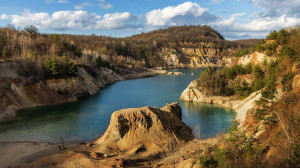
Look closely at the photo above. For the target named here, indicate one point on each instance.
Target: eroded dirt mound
(145, 131)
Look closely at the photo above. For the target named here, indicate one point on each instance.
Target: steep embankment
(203, 56)
(253, 59)
(19, 92)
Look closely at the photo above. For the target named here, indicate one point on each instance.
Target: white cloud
(117, 21)
(269, 23)
(57, 1)
(236, 26)
(257, 28)
(279, 7)
(62, 1)
(81, 6)
(184, 14)
(139, 29)
(104, 5)
(216, 1)
(65, 20)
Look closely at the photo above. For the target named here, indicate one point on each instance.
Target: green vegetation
(281, 43)
(276, 120)
(239, 152)
(224, 81)
(138, 51)
(70, 67)
(231, 80)
(243, 52)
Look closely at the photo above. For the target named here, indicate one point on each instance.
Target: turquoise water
(89, 118)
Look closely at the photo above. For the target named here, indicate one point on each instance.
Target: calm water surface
(89, 118)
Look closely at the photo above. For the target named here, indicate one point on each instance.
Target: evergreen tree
(53, 68)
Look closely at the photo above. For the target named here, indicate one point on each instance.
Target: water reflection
(211, 119)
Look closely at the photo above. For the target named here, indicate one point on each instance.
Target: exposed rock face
(192, 57)
(84, 84)
(296, 82)
(253, 59)
(145, 131)
(197, 94)
(25, 92)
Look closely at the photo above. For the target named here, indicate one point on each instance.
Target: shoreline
(193, 94)
(131, 76)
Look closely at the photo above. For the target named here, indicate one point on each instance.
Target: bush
(244, 52)
(287, 80)
(257, 71)
(208, 162)
(287, 51)
(272, 35)
(243, 90)
(70, 67)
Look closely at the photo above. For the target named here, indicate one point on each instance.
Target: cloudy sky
(235, 19)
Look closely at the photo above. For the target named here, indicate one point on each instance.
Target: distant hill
(142, 50)
(182, 33)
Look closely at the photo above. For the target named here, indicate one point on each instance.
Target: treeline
(138, 51)
(281, 43)
(227, 80)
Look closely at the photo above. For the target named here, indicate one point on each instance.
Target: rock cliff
(253, 59)
(145, 131)
(192, 57)
(19, 92)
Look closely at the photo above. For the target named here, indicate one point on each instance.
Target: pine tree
(70, 67)
(53, 68)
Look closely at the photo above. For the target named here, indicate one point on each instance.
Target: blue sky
(235, 19)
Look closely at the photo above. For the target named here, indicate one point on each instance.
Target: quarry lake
(87, 119)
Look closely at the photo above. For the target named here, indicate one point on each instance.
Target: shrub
(69, 66)
(287, 80)
(287, 51)
(243, 52)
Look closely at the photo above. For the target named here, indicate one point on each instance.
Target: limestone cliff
(145, 131)
(204, 56)
(253, 59)
(19, 92)
(197, 94)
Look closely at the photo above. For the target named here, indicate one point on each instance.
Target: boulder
(145, 131)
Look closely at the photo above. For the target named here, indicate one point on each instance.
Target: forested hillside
(143, 50)
(270, 135)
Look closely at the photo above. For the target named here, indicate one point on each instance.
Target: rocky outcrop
(84, 84)
(198, 94)
(296, 82)
(253, 59)
(174, 73)
(145, 131)
(21, 95)
(205, 56)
